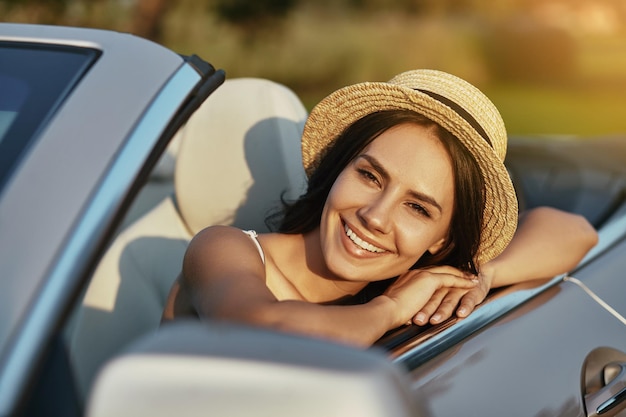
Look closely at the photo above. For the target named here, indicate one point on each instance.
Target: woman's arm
(547, 242)
(224, 278)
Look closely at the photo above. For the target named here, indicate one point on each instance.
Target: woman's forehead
(414, 156)
(408, 145)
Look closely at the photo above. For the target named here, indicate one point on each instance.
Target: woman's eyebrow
(385, 174)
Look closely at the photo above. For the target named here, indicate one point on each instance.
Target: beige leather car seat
(238, 153)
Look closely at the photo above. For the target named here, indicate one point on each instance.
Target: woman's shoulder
(219, 235)
(221, 262)
(221, 241)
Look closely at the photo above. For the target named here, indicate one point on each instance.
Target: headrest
(239, 152)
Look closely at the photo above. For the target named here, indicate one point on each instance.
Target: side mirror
(205, 368)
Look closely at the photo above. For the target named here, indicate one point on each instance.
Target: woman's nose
(376, 215)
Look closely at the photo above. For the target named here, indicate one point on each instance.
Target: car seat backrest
(238, 153)
(248, 159)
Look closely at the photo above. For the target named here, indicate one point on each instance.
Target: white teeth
(360, 242)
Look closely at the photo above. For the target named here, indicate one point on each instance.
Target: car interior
(230, 164)
(565, 175)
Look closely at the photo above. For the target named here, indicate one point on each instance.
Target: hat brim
(345, 106)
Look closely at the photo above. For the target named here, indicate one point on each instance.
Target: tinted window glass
(34, 81)
(14, 94)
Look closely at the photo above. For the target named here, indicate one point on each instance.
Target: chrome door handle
(612, 396)
(604, 382)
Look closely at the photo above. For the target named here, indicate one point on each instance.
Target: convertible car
(115, 151)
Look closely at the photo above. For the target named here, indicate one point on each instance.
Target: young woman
(408, 216)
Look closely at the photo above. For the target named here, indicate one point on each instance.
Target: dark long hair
(304, 214)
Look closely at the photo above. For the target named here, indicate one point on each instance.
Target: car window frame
(182, 94)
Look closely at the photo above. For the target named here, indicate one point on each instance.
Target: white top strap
(253, 235)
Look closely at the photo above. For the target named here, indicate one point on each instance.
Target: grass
(539, 110)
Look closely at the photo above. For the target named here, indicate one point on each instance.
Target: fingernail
(436, 318)
(420, 317)
(462, 311)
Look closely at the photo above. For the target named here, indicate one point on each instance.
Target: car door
(555, 348)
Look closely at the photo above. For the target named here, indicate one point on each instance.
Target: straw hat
(451, 102)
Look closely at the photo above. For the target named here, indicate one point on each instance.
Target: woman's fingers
(446, 298)
(429, 309)
(446, 280)
(440, 307)
(475, 296)
(412, 291)
(448, 270)
(453, 290)
(447, 306)
(470, 301)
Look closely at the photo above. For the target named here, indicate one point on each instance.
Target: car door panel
(528, 364)
(605, 277)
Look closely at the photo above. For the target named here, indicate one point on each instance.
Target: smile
(360, 242)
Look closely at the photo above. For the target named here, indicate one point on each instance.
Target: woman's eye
(368, 175)
(419, 209)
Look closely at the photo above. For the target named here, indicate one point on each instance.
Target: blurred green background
(551, 66)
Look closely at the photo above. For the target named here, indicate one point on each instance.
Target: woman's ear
(437, 246)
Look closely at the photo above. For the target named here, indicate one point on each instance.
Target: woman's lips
(360, 242)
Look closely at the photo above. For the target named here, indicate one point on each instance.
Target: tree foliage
(48, 11)
(252, 12)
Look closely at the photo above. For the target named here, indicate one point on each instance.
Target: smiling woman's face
(391, 204)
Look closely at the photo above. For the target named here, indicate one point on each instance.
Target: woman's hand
(547, 242)
(444, 301)
(414, 290)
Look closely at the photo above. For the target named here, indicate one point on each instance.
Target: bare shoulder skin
(231, 260)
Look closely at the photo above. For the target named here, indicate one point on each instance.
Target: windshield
(30, 94)
(15, 93)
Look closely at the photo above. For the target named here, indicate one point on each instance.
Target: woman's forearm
(363, 324)
(547, 242)
(357, 325)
